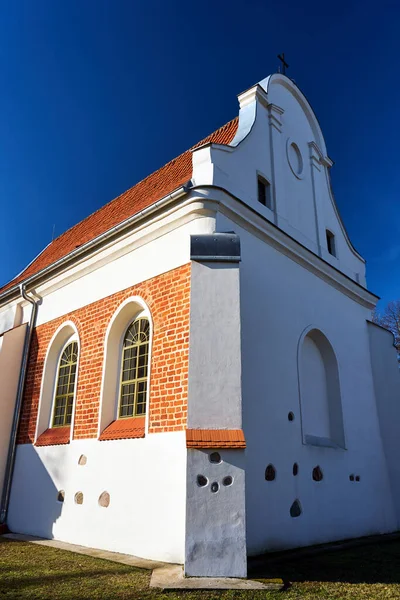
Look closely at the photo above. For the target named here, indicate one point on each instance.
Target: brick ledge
(122, 429)
(215, 438)
(54, 436)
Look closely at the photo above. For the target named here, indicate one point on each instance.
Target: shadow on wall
(376, 562)
(34, 501)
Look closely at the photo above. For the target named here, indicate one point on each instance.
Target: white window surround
(334, 436)
(65, 334)
(128, 311)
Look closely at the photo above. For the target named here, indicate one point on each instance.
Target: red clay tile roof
(123, 429)
(143, 194)
(54, 436)
(215, 438)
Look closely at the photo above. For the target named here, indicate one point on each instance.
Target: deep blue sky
(95, 95)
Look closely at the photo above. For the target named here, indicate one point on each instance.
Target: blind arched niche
(320, 400)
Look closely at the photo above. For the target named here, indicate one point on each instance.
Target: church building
(190, 374)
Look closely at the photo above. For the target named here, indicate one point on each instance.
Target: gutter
(93, 244)
(5, 498)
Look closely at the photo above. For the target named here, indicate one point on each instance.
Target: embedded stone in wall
(61, 496)
(317, 474)
(295, 509)
(79, 498)
(214, 487)
(270, 473)
(82, 460)
(202, 481)
(104, 499)
(215, 458)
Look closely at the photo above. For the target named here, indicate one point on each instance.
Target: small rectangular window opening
(330, 242)
(264, 192)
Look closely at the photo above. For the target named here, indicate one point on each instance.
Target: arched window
(320, 398)
(134, 369)
(65, 386)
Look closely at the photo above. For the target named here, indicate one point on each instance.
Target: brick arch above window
(45, 433)
(111, 425)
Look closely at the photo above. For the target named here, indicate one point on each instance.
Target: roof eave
(82, 251)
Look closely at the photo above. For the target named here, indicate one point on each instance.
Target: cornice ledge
(316, 156)
(289, 246)
(251, 95)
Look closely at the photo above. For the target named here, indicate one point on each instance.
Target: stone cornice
(251, 220)
(252, 94)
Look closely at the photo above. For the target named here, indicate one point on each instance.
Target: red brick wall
(168, 298)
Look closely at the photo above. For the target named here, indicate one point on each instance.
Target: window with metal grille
(134, 369)
(65, 389)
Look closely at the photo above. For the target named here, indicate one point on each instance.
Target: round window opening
(228, 480)
(202, 481)
(215, 458)
(295, 159)
(290, 416)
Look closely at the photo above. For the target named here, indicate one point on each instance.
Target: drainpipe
(5, 498)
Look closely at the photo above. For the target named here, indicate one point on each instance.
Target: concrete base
(165, 576)
(171, 577)
(125, 559)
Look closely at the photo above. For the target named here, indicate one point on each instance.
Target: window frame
(269, 202)
(331, 243)
(142, 315)
(72, 339)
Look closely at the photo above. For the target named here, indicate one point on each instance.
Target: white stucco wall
(215, 521)
(11, 348)
(304, 205)
(279, 300)
(10, 316)
(146, 480)
(214, 357)
(136, 263)
(386, 375)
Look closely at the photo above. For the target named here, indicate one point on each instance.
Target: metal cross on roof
(284, 63)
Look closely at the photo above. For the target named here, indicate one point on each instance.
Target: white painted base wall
(215, 521)
(146, 480)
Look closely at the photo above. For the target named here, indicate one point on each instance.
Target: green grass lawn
(32, 571)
